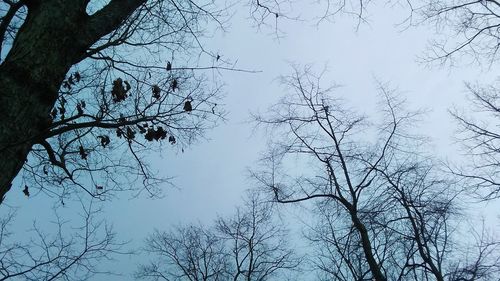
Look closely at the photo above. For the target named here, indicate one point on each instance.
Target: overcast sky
(210, 176)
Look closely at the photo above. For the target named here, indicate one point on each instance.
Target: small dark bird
(169, 66)
(187, 106)
(218, 57)
(26, 191)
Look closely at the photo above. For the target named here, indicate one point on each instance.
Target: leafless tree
(481, 261)
(63, 255)
(108, 76)
(269, 13)
(257, 244)
(251, 245)
(88, 87)
(480, 139)
(185, 253)
(469, 28)
(385, 209)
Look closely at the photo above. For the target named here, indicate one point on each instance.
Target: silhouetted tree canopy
(89, 89)
(385, 208)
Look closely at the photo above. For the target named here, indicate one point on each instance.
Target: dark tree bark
(55, 35)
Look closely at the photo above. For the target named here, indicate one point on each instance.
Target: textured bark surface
(55, 35)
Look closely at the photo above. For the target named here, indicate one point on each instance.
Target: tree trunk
(55, 35)
(367, 248)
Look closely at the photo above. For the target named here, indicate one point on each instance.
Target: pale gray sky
(211, 175)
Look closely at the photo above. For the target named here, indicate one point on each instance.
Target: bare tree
(469, 28)
(87, 86)
(251, 245)
(60, 256)
(313, 125)
(481, 260)
(271, 13)
(185, 253)
(480, 139)
(385, 209)
(257, 244)
(111, 76)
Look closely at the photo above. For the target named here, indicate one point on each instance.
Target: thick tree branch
(7, 19)
(111, 17)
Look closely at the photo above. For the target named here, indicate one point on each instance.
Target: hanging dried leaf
(83, 153)
(77, 76)
(62, 111)
(174, 85)
(79, 109)
(26, 191)
(130, 133)
(156, 92)
(141, 129)
(66, 85)
(104, 140)
(160, 133)
(157, 134)
(187, 106)
(172, 140)
(119, 91)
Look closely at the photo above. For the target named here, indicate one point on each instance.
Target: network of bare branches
(469, 29)
(147, 83)
(251, 245)
(269, 14)
(185, 253)
(385, 210)
(478, 136)
(72, 252)
(136, 74)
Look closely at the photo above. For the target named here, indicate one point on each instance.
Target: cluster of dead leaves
(120, 90)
